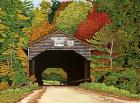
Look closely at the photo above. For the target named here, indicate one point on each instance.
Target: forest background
(111, 26)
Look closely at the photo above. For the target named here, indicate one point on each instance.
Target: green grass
(100, 87)
(15, 95)
(138, 74)
(50, 82)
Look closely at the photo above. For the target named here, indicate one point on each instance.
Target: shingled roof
(60, 32)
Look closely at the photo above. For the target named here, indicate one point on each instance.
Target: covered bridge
(58, 50)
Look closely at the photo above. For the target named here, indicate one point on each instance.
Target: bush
(4, 85)
(125, 79)
(54, 76)
(138, 87)
(101, 87)
(100, 76)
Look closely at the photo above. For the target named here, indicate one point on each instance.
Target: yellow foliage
(22, 17)
(24, 58)
(19, 11)
(21, 42)
(62, 7)
(3, 86)
(27, 30)
(2, 27)
(16, 35)
(4, 69)
(39, 18)
(2, 13)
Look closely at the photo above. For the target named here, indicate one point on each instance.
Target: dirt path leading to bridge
(56, 94)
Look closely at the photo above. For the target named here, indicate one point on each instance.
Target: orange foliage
(40, 31)
(4, 85)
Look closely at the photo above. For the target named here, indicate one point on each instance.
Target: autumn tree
(15, 15)
(62, 6)
(40, 31)
(111, 42)
(70, 18)
(40, 24)
(41, 14)
(125, 15)
(95, 21)
(54, 7)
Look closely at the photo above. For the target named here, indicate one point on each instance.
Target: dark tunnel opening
(72, 63)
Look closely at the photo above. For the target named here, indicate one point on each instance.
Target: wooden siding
(46, 43)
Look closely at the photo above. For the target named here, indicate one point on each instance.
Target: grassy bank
(109, 89)
(138, 74)
(14, 95)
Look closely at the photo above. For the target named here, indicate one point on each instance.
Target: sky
(36, 2)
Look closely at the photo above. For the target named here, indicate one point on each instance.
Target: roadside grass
(100, 87)
(51, 82)
(138, 74)
(14, 95)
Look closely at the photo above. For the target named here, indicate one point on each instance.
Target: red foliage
(98, 53)
(101, 18)
(87, 29)
(95, 21)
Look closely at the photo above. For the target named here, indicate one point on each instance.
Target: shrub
(53, 76)
(100, 76)
(4, 85)
(138, 87)
(125, 79)
(101, 87)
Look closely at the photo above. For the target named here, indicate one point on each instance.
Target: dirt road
(76, 95)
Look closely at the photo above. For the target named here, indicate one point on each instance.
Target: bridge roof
(59, 41)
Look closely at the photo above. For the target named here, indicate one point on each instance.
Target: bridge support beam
(87, 71)
(31, 67)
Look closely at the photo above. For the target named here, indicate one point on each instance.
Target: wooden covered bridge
(58, 50)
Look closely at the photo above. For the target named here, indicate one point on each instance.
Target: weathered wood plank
(47, 43)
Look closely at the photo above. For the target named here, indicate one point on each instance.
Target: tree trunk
(111, 52)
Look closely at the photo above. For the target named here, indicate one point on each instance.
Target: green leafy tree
(15, 16)
(41, 14)
(54, 7)
(73, 14)
(125, 15)
(111, 42)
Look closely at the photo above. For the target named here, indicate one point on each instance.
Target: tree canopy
(111, 26)
(15, 15)
(70, 18)
(125, 15)
(95, 21)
